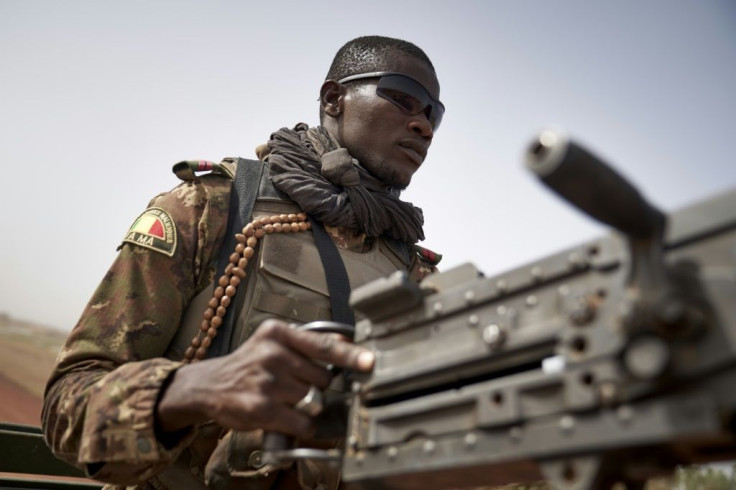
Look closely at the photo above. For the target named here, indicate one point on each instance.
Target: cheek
(363, 132)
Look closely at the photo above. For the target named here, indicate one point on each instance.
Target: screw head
(428, 447)
(470, 440)
(647, 357)
(567, 423)
(494, 336)
(607, 392)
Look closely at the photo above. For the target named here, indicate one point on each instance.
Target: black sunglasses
(406, 93)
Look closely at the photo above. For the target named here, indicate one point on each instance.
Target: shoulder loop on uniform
(187, 170)
(427, 255)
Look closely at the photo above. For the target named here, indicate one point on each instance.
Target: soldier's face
(389, 142)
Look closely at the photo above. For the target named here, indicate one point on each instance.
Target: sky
(98, 99)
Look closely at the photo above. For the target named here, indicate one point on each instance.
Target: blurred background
(99, 99)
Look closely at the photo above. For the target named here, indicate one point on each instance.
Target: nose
(420, 125)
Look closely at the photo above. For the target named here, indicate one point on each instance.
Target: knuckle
(266, 382)
(271, 329)
(326, 344)
(268, 350)
(258, 405)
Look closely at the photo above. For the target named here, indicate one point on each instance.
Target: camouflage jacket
(100, 399)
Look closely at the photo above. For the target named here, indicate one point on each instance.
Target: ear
(331, 96)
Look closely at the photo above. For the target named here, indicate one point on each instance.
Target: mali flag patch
(154, 229)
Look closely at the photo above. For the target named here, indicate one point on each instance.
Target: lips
(417, 151)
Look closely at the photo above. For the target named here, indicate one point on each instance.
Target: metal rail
(23, 450)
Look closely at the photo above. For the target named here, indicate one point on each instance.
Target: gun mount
(610, 361)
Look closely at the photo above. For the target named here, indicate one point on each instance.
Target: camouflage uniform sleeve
(423, 263)
(99, 404)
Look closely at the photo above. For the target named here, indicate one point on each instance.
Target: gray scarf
(308, 165)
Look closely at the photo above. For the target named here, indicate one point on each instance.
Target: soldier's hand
(257, 385)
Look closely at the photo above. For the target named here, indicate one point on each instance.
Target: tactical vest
(285, 281)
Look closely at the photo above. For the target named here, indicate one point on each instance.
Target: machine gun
(607, 362)
(610, 362)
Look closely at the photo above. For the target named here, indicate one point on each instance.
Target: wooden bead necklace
(234, 273)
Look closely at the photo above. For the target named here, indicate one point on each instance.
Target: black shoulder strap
(338, 284)
(247, 186)
(242, 198)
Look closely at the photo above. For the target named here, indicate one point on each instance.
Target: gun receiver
(610, 361)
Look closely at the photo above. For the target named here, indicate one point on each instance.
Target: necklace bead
(227, 284)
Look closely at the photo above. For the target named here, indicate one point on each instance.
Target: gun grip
(587, 182)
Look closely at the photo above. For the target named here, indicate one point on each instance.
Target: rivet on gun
(567, 423)
(608, 393)
(473, 320)
(256, 459)
(576, 260)
(501, 310)
(563, 290)
(531, 301)
(470, 440)
(501, 285)
(355, 387)
(494, 336)
(392, 452)
(647, 357)
(437, 307)
(428, 447)
(469, 297)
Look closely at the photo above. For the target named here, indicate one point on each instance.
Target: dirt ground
(18, 405)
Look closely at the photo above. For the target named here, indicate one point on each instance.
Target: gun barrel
(591, 185)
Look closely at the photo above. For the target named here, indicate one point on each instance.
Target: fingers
(265, 413)
(328, 348)
(258, 385)
(290, 421)
(290, 391)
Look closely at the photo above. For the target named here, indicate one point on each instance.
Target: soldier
(134, 398)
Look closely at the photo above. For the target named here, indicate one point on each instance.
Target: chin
(397, 181)
(403, 184)
(387, 174)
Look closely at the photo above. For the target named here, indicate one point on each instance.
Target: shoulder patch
(154, 229)
(427, 255)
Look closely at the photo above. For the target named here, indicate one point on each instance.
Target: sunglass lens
(410, 96)
(402, 99)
